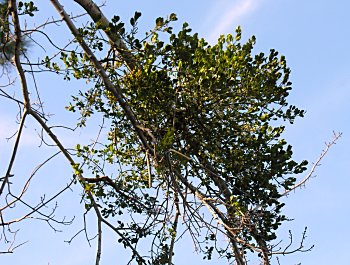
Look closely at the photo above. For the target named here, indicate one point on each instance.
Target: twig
(336, 137)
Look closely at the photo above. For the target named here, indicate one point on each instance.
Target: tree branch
(336, 137)
(99, 18)
(116, 91)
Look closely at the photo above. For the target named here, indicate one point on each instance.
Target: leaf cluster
(221, 107)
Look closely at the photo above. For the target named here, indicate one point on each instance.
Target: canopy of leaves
(214, 115)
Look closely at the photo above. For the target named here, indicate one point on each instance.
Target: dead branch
(336, 137)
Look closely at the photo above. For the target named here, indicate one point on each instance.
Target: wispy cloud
(232, 15)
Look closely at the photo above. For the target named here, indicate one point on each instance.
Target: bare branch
(14, 153)
(336, 137)
(99, 242)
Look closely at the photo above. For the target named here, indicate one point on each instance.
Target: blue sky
(315, 38)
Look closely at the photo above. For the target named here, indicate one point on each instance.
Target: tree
(191, 140)
(7, 40)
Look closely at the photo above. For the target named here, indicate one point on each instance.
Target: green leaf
(173, 17)
(159, 21)
(137, 16)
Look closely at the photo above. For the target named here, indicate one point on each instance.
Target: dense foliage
(191, 141)
(214, 114)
